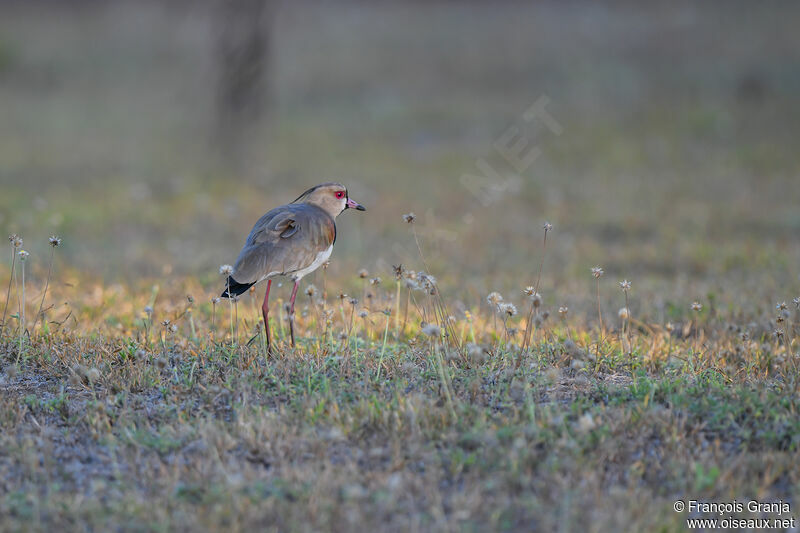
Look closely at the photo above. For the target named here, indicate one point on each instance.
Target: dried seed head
(782, 306)
(548, 226)
(311, 290)
(363, 273)
(173, 328)
(325, 265)
(623, 313)
(215, 300)
(563, 311)
(428, 282)
(343, 336)
(494, 298)
(796, 302)
(528, 291)
(507, 308)
(431, 330)
(778, 333)
(165, 322)
(409, 218)
(697, 307)
(161, 362)
(55, 241)
(15, 240)
(74, 379)
(536, 299)
(597, 272)
(353, 301)
(23, 255)
(342, 296)
(625, 285)
(190, 298)
(398, 271)
(148, 310)
(375, 281)
(226, 270)
(669, 327)
(363, 313)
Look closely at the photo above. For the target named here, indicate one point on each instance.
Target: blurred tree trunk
(243, 60)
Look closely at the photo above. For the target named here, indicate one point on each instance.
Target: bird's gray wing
(285, 240)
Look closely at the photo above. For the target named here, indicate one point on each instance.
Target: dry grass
(112, 420)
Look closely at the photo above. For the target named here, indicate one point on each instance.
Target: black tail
(234, 288)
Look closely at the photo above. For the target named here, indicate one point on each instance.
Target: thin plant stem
(22, 301)
(696, 335)
(236, 320)
(46, 285)
(191, 325)
(230, 304)
(213, 317)
(472, 331)
(541, 263)
(397, 308)
(442, 306)
(528, 321)
(10, 282)
(405, 312)
(599, 312)
(626, 324)
(566, 325)
(526, 341)
(21, 311)
(383, 347)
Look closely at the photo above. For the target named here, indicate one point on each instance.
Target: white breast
(321, 258)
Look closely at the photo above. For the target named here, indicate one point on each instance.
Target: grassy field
(130, 400)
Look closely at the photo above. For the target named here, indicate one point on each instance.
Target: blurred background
(150, 135)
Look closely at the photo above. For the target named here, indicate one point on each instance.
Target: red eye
(340, 194)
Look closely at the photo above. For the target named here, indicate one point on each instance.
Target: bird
(292, 240)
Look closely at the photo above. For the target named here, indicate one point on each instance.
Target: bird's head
(330, 197)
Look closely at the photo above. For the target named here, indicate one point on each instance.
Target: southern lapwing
(291, 240)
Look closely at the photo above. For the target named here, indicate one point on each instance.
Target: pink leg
(265, 313)
(291, 311)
